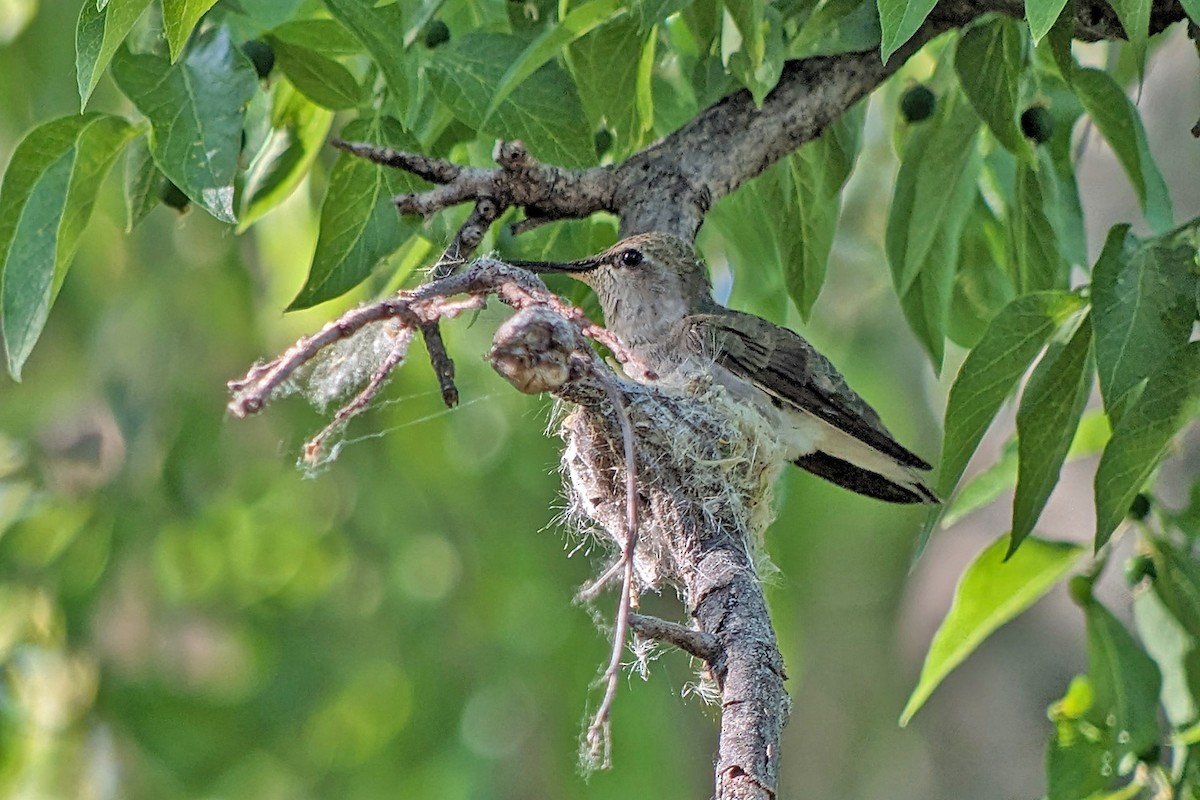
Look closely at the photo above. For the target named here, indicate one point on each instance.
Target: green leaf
(580, 21)
(749, 20)
(195, 110)
(322, 80)
(268, 13)
(46, 201)
(359, 225)
(1141, 437)
(381, 30)
(101, 29)
(649, 13)
(819, 170)
(992, 369)
(985, 486)
(544, 111)
(645, 83)
(1118, 121)
(1060, 196)
(179, 20)
(607, 80)
(1169, 644)
(1125, 682)
(1177, 583)
(935, 190)
(836, 27)
(1041, 15)
(982, 284)
(758, 74)
(326, 36)
(1039, 263)
(1192, 8)
(941, 163)
(1091, 435)
(898, 21)
(298, 131)
(1142, 294)
(1077, 766)
(1135, 21)
(992, 591)
(143, 182)
(990, 61)
(1047, 418)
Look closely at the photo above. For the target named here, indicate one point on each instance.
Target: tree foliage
(226, 107)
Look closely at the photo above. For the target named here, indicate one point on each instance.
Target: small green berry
(1038, 124)
(436, 33)
(918, 103)
(173, 197)
(604, 141)
(1140, 507)
(261, 55)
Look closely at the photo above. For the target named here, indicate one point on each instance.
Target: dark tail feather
(863, 481)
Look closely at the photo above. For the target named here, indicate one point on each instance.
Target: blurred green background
(184, 613)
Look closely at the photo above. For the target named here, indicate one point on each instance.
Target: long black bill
(582, 265)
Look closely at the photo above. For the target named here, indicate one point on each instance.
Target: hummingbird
(656, 297)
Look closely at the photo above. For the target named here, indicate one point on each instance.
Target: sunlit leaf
(988, 376)
(195, 110)
(179, 20)
(1051, 406)
(98, 35)
(46, 200)
(990, 593)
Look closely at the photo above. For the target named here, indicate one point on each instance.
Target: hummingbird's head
(642, 282)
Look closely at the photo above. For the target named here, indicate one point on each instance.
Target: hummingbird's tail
(902, 484)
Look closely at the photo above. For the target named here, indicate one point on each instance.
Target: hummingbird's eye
(631, 257)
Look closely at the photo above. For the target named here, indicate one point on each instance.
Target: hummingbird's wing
(785, 366)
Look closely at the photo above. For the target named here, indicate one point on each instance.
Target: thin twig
(598, 733)
(439, 359)
(702, 645)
